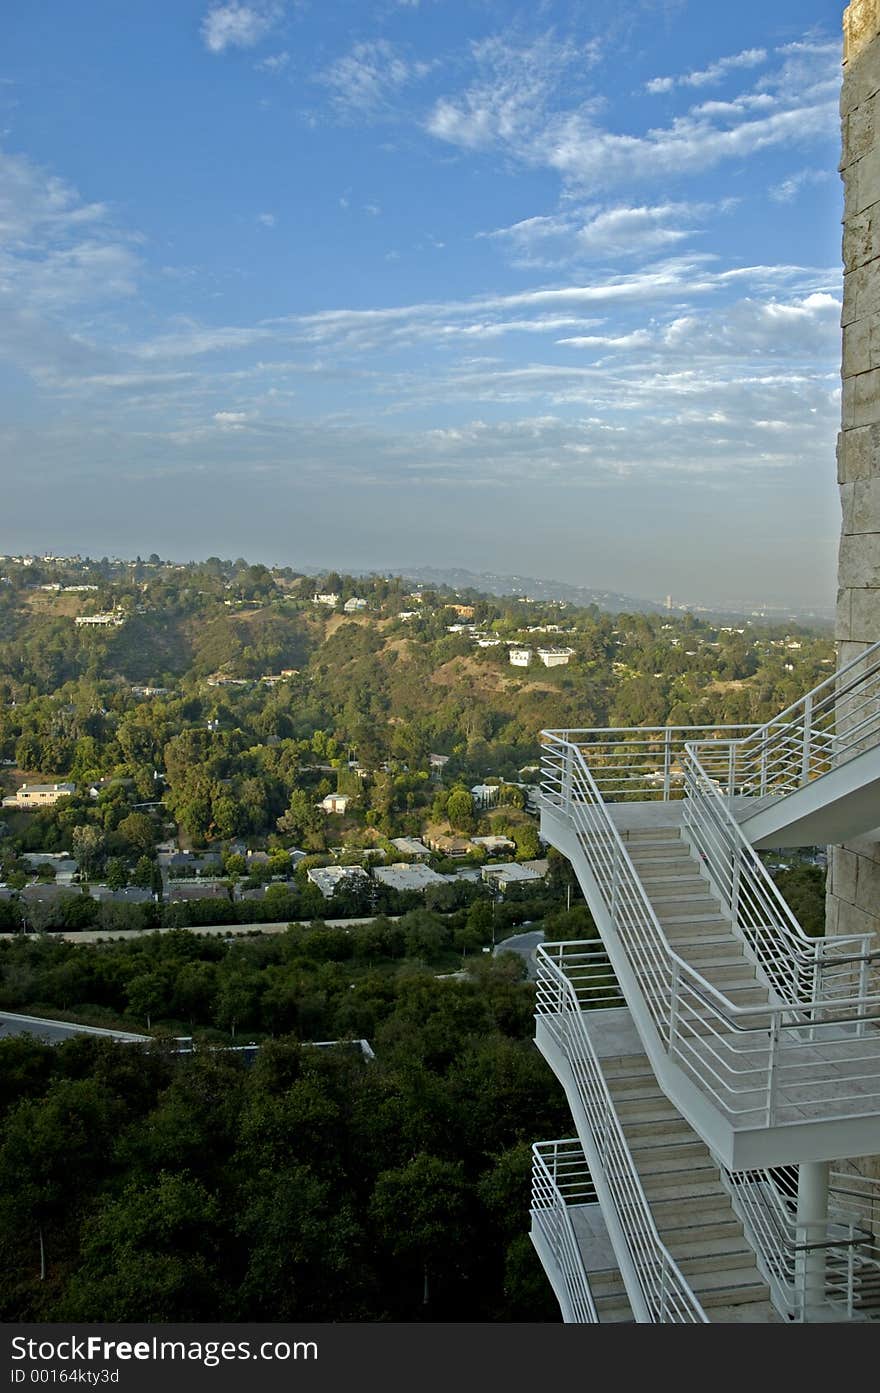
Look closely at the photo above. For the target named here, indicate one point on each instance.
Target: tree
(421, 1213)
(116, 874)
(460, 810)
(151, 1255)
(139, 831)
(88, 844)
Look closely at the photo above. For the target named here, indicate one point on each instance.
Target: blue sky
(551, 290)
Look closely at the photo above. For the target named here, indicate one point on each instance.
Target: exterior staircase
(709, 1049)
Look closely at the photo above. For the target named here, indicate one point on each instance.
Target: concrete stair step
(679, 1237)
(688, 1158)
(665, 1133)
(755, 1312)
(697, 1266)
(732, 1294)
(730, 974)
(656, 1109)
(684, 1185)
(652, 1161)
(674, 905)
(723, 954)
(654, 834)
(749, 994)
(697, 1212)
(710, 919)
(624, 1066)
(658, 851)
(613, 1308)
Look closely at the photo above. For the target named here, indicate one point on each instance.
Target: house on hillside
(31, 796)
(485, 795)
(329, 878)
(510, 873)
(403, 877)
(335, 802)
(411, 846)
(555, 657)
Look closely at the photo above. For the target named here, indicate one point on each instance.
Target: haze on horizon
(440, 282)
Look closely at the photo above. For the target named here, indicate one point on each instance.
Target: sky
(550, 290)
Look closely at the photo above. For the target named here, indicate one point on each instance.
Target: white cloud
(512, 88)
(639, 338)
(267, 219)
(231, 420)
(237, 25)
(275, 63)
(790, 187)
(520, 103)
(715, 72)
(364, 81)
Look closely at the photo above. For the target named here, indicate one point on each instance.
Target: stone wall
(853, 904)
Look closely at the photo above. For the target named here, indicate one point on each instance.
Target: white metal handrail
(758, 1063)
(822, 972)
(832, 724)
(765, 1201)
(647, 762)
(560, 1178)
(667, 1296)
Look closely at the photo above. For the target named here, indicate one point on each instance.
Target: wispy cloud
(275, 63)
(267, 219)
(236, 25)
(364, 81)
(583, 234)
(715, 72)
(521, 104)
(789, 188)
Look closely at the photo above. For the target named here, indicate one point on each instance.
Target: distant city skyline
(460, 284)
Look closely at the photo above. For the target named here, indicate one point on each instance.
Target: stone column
(853, 899)
(854, 872)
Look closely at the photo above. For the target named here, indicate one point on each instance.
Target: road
(525, 945)
(53, 1031)
(212, 930)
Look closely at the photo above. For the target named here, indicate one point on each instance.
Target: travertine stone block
(847, 650)
(864, 188)
(846, 870)
(859, 560)
(843, 626)
(847, 496)
(861, 22)
(852, 920)
(861, 238)
(864, 505)
(858, 454)
(857, 345)
(861, 398)
(864, 618)
(868, 886)
(832, 905)
(866, 848)
(860, 131)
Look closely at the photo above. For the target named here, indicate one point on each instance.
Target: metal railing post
(772, 1067)
(674, 1007)
(731, 772)
(808, 735)
(567, 776)
(667, 763)
(763, 767)
(734, 883)
(864, 981)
